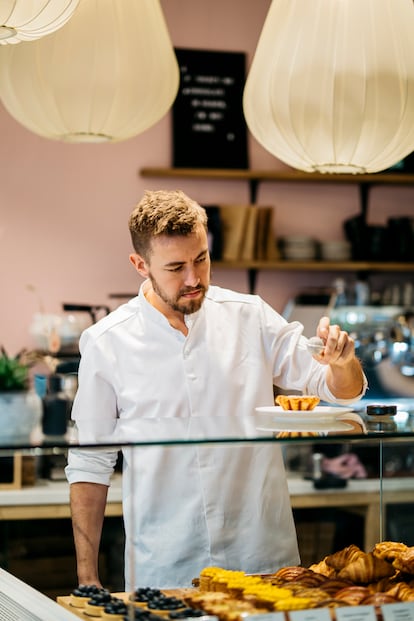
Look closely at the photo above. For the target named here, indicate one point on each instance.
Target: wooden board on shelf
(64, 600)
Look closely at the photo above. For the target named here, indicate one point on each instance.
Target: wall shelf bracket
(252, 279)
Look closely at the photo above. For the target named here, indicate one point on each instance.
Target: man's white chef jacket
(187, 507)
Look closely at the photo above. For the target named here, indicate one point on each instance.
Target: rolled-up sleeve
(90, 466)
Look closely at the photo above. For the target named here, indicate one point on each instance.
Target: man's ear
(140, 264)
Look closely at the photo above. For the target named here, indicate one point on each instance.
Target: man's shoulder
(115, 319)
(221, 295)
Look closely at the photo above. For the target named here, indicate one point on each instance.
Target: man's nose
(191, 277)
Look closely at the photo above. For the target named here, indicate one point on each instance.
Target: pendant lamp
(25, 20)
(107, 75)
(331, 85)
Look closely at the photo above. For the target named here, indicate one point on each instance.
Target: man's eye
(175, 269)
(201, 259)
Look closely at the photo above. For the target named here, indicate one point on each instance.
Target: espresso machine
(384, 342)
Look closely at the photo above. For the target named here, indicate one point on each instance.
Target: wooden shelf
(254, 177)
(316, 266)
(359, 267)
(292, 176)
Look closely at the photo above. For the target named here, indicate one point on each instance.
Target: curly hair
(163, 212)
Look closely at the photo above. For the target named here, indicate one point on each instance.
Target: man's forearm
(87, 502)
(346, 382)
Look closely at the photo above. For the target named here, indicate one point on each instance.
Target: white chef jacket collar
(156, 315)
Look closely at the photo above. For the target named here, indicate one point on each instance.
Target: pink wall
(64, 207)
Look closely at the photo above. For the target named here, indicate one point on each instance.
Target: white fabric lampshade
(331, 85)
(25, 20)
(107, 75)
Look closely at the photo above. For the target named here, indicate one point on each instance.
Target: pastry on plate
(297, 402)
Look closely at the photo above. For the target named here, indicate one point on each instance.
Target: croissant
(366, 568)
(311, 579)
(383, 584)
(331, 602)
(340, 559)
(402, 592)
(352, 595)
(333, 585)
(405, 561)
(388, 550)
(292, 572)
(323, 568)
(377, 599)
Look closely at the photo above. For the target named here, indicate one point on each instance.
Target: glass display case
(330, 512)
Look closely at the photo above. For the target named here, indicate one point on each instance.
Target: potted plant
(20, 406)
(14, 372)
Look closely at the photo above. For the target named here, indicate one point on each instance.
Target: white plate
(319, 413)
(317, 425)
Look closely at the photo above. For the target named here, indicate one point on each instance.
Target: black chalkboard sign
(209, 130)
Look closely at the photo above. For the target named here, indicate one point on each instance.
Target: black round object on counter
(380, 418)
(381, 410)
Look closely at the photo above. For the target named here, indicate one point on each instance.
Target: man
(181, 351)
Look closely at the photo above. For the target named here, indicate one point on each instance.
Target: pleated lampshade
(25, 20)
(331, 85)
(107, 75)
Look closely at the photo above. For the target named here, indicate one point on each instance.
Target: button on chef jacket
(191, 506)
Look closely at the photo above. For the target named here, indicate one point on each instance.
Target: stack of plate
(336, 250)
(296, 248)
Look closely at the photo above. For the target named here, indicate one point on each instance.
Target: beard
(186, 307)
